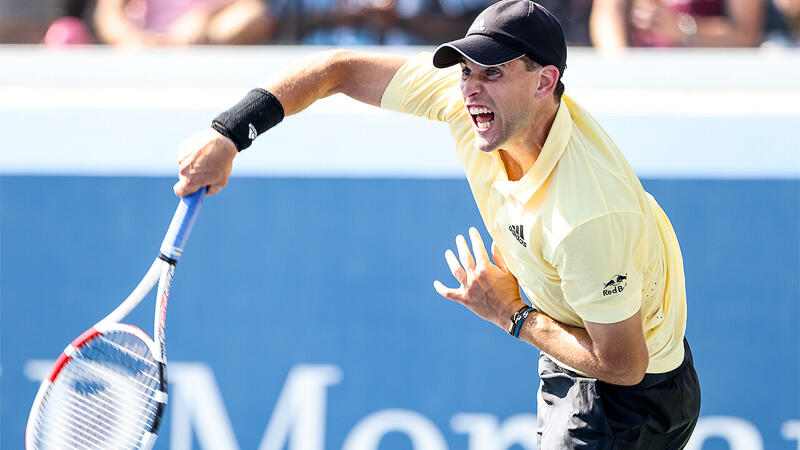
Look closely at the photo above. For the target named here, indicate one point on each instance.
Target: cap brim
(480, 49)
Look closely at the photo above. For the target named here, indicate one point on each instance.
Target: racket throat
(167, 259)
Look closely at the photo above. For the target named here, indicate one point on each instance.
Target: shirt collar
(553, 148)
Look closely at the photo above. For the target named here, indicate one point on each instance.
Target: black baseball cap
(505, 31)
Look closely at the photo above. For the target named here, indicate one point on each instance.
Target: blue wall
(281, 273)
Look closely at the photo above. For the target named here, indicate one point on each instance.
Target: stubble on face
(499, 101)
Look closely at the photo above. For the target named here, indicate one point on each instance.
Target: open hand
(488, 290)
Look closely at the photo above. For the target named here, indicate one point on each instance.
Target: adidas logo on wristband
(252, 133)
(238, 123)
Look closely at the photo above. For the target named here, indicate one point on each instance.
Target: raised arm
(206, 158)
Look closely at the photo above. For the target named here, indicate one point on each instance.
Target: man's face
(501, 102)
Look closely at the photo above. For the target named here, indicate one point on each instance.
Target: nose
(470, 86)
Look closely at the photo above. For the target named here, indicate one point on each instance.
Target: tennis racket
(108, 388)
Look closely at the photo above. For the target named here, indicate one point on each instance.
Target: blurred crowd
(609, 25)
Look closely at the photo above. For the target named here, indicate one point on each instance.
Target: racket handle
(181, 225)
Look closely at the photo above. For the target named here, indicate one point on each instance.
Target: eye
(465, 72)
(492, 73)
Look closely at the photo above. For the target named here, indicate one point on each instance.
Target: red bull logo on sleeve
(615, 285)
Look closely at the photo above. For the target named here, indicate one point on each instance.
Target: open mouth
(482, 116)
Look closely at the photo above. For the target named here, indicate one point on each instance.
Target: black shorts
(576, 412)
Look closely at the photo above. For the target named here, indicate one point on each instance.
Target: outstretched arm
(360, 75)
(206, 158)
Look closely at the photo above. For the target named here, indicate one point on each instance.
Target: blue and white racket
(108, 388)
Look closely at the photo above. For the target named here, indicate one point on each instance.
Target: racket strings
(126, 351)
(75, 436)
(121, 353)
(75, 433)
(148, 380)
(77, 407)
(151, 384)
(110, 406)
(92, 424)
(113, 406)
(100, 419)
(105, 397)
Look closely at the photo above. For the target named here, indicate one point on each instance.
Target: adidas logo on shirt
(516, 231)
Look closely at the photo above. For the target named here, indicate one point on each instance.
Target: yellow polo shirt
(583, 238)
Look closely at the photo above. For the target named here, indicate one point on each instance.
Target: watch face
(514, 319)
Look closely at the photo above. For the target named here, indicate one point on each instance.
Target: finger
(455, 267)
(464, 255)
(446, 292)
(189, 180)
(478, 248)
(178, 188)
(191, 173)
(214, 190)
(183, 188)
(498, 257)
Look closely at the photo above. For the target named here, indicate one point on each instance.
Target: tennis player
(572, 226)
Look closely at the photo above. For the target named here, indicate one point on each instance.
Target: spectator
(790, 10)
(26, 21)
(777, 31)
(574, 18)
(71, 27)
(435, 21)
(617, 24)
(345, 22)
(182, 22)
(67, 30)
(377, 22)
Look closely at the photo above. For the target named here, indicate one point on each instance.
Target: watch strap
(518, 318)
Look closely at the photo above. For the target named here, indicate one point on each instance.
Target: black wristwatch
(518, 318)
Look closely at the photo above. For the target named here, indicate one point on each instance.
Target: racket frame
(160, 271)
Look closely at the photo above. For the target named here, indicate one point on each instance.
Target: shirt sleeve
(600, 264)
(420, 89)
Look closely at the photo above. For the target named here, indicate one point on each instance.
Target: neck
(520, 155)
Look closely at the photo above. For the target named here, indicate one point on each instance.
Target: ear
(548, 79)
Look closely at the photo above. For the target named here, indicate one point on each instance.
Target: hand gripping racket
(108, 388)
